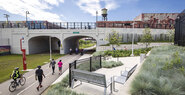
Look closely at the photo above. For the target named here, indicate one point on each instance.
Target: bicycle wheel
(22, 81)
(12, 86)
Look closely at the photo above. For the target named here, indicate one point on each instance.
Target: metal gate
(180, 30)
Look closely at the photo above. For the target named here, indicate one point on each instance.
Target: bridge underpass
(72, 42)
(41, 44)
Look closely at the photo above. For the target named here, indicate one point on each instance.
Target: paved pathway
(30, 87)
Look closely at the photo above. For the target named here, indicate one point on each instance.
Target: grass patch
(162, 73)
(98, 53)
(9, 62)
(61, 88)
(111, 64)
(82, 46)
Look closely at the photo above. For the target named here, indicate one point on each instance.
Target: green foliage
(85, 44)
(110, 64)
(162, 73)
(61, 88)
(114, 38)
(9, 62)
(126, 53)
(97, 53)
(171, 34)
(147, 37)
(176, 62)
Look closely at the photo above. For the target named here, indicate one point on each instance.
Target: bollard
(142, 57)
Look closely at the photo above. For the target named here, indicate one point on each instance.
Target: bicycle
(14, 84)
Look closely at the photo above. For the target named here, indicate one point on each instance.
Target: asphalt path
(30, 86)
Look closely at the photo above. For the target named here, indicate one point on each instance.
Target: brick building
(151, 20)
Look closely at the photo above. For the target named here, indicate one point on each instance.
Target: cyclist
(15, 74)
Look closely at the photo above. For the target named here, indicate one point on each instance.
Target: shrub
(98, 53)
(110, 64)
(61, 88)
(162, 73)
(126, 53)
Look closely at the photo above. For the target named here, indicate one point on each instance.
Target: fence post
(67, 25)
(40, 26)
(60, 25)
(90, 64)
(70, 74)
(75, 64)
(100, 62)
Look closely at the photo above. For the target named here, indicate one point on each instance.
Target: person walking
(39, 74)
(52, 64)
(76, 50)
(70, 51)
(60, 67)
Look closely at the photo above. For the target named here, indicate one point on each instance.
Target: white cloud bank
(38, 8)
(91, 6)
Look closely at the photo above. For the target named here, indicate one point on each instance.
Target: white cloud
(54, 2)
(37, 8)
(91, 6)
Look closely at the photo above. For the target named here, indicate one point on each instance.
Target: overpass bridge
(64, 35)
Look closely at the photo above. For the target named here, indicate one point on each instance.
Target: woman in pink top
(60, 66)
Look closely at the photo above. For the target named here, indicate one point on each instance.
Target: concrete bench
(92, 78)
(124, 76)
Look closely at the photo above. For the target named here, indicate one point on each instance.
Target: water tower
(104, 14)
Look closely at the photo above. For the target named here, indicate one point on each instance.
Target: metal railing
(129, 25)
(88, 64)
(50, 25)
(81, 25)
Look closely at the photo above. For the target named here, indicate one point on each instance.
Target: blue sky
(85, 10)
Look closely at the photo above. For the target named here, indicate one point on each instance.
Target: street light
(50, 48)
(23, 53)
(27, 12)
(6, 16)
(96, 16)
(133, 41)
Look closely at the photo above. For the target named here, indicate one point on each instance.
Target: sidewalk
(30, 87)
(67, 71)
(91, 89)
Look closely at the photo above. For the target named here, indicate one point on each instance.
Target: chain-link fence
(180, 29)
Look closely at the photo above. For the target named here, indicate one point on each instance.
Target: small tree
(147, 37)
(114, 38)
(171, 34)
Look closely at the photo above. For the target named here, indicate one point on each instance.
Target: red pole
(24, 58)
(23, 55)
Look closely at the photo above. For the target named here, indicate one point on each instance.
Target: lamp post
(23, 53)
(27, 12)
(6, 16)
(133, 41)
(96, 16)
(50, 48)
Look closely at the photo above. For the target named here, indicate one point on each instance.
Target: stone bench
(92, 78)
